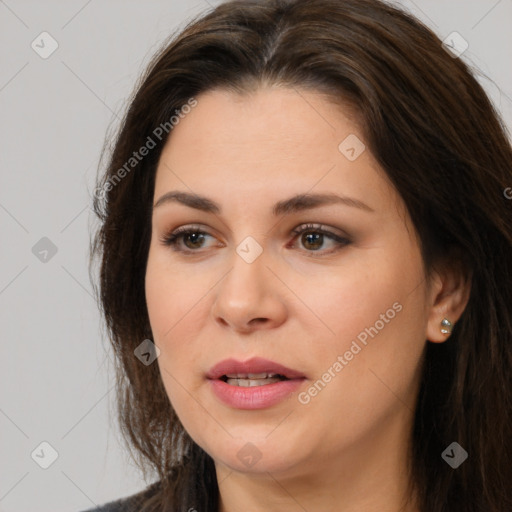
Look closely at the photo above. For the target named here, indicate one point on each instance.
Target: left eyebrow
(299, 202)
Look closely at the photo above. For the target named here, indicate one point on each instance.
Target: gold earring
(446, 326)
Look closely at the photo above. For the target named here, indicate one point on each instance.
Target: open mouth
(256, 383)
(250, 380)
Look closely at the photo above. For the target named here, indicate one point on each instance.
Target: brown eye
(312, 241)
(195, 239)
(312, 238)
(192, 238)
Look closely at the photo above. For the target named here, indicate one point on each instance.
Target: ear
(448, 295)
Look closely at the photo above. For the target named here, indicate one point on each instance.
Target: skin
(301, 303)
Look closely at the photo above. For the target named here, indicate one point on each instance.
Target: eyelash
(173, 238)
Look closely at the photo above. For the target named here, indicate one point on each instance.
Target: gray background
(56, 378)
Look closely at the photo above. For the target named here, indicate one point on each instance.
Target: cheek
(172, 308)
(177, 309)
(368, 368)
(374, 293)
(350, 300)
(170, 295)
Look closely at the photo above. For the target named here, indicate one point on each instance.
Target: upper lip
(253, 365)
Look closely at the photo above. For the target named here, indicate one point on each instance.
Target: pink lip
(259, 397)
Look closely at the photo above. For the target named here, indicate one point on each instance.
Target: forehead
(268, 144)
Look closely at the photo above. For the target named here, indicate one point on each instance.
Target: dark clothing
(127, 504)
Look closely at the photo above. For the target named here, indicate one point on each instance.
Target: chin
(255, 454)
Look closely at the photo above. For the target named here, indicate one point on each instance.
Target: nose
(250, 297)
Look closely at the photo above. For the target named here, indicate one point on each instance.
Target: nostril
(258, 320)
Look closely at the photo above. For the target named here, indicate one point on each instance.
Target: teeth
(251, 375)
(249, 383)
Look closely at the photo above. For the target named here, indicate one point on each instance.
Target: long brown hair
(435, 133)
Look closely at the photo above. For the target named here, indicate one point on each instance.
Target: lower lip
(257, 397)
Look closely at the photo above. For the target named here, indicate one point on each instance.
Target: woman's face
(343, 304)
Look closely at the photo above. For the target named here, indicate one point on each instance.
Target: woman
(306, 263)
